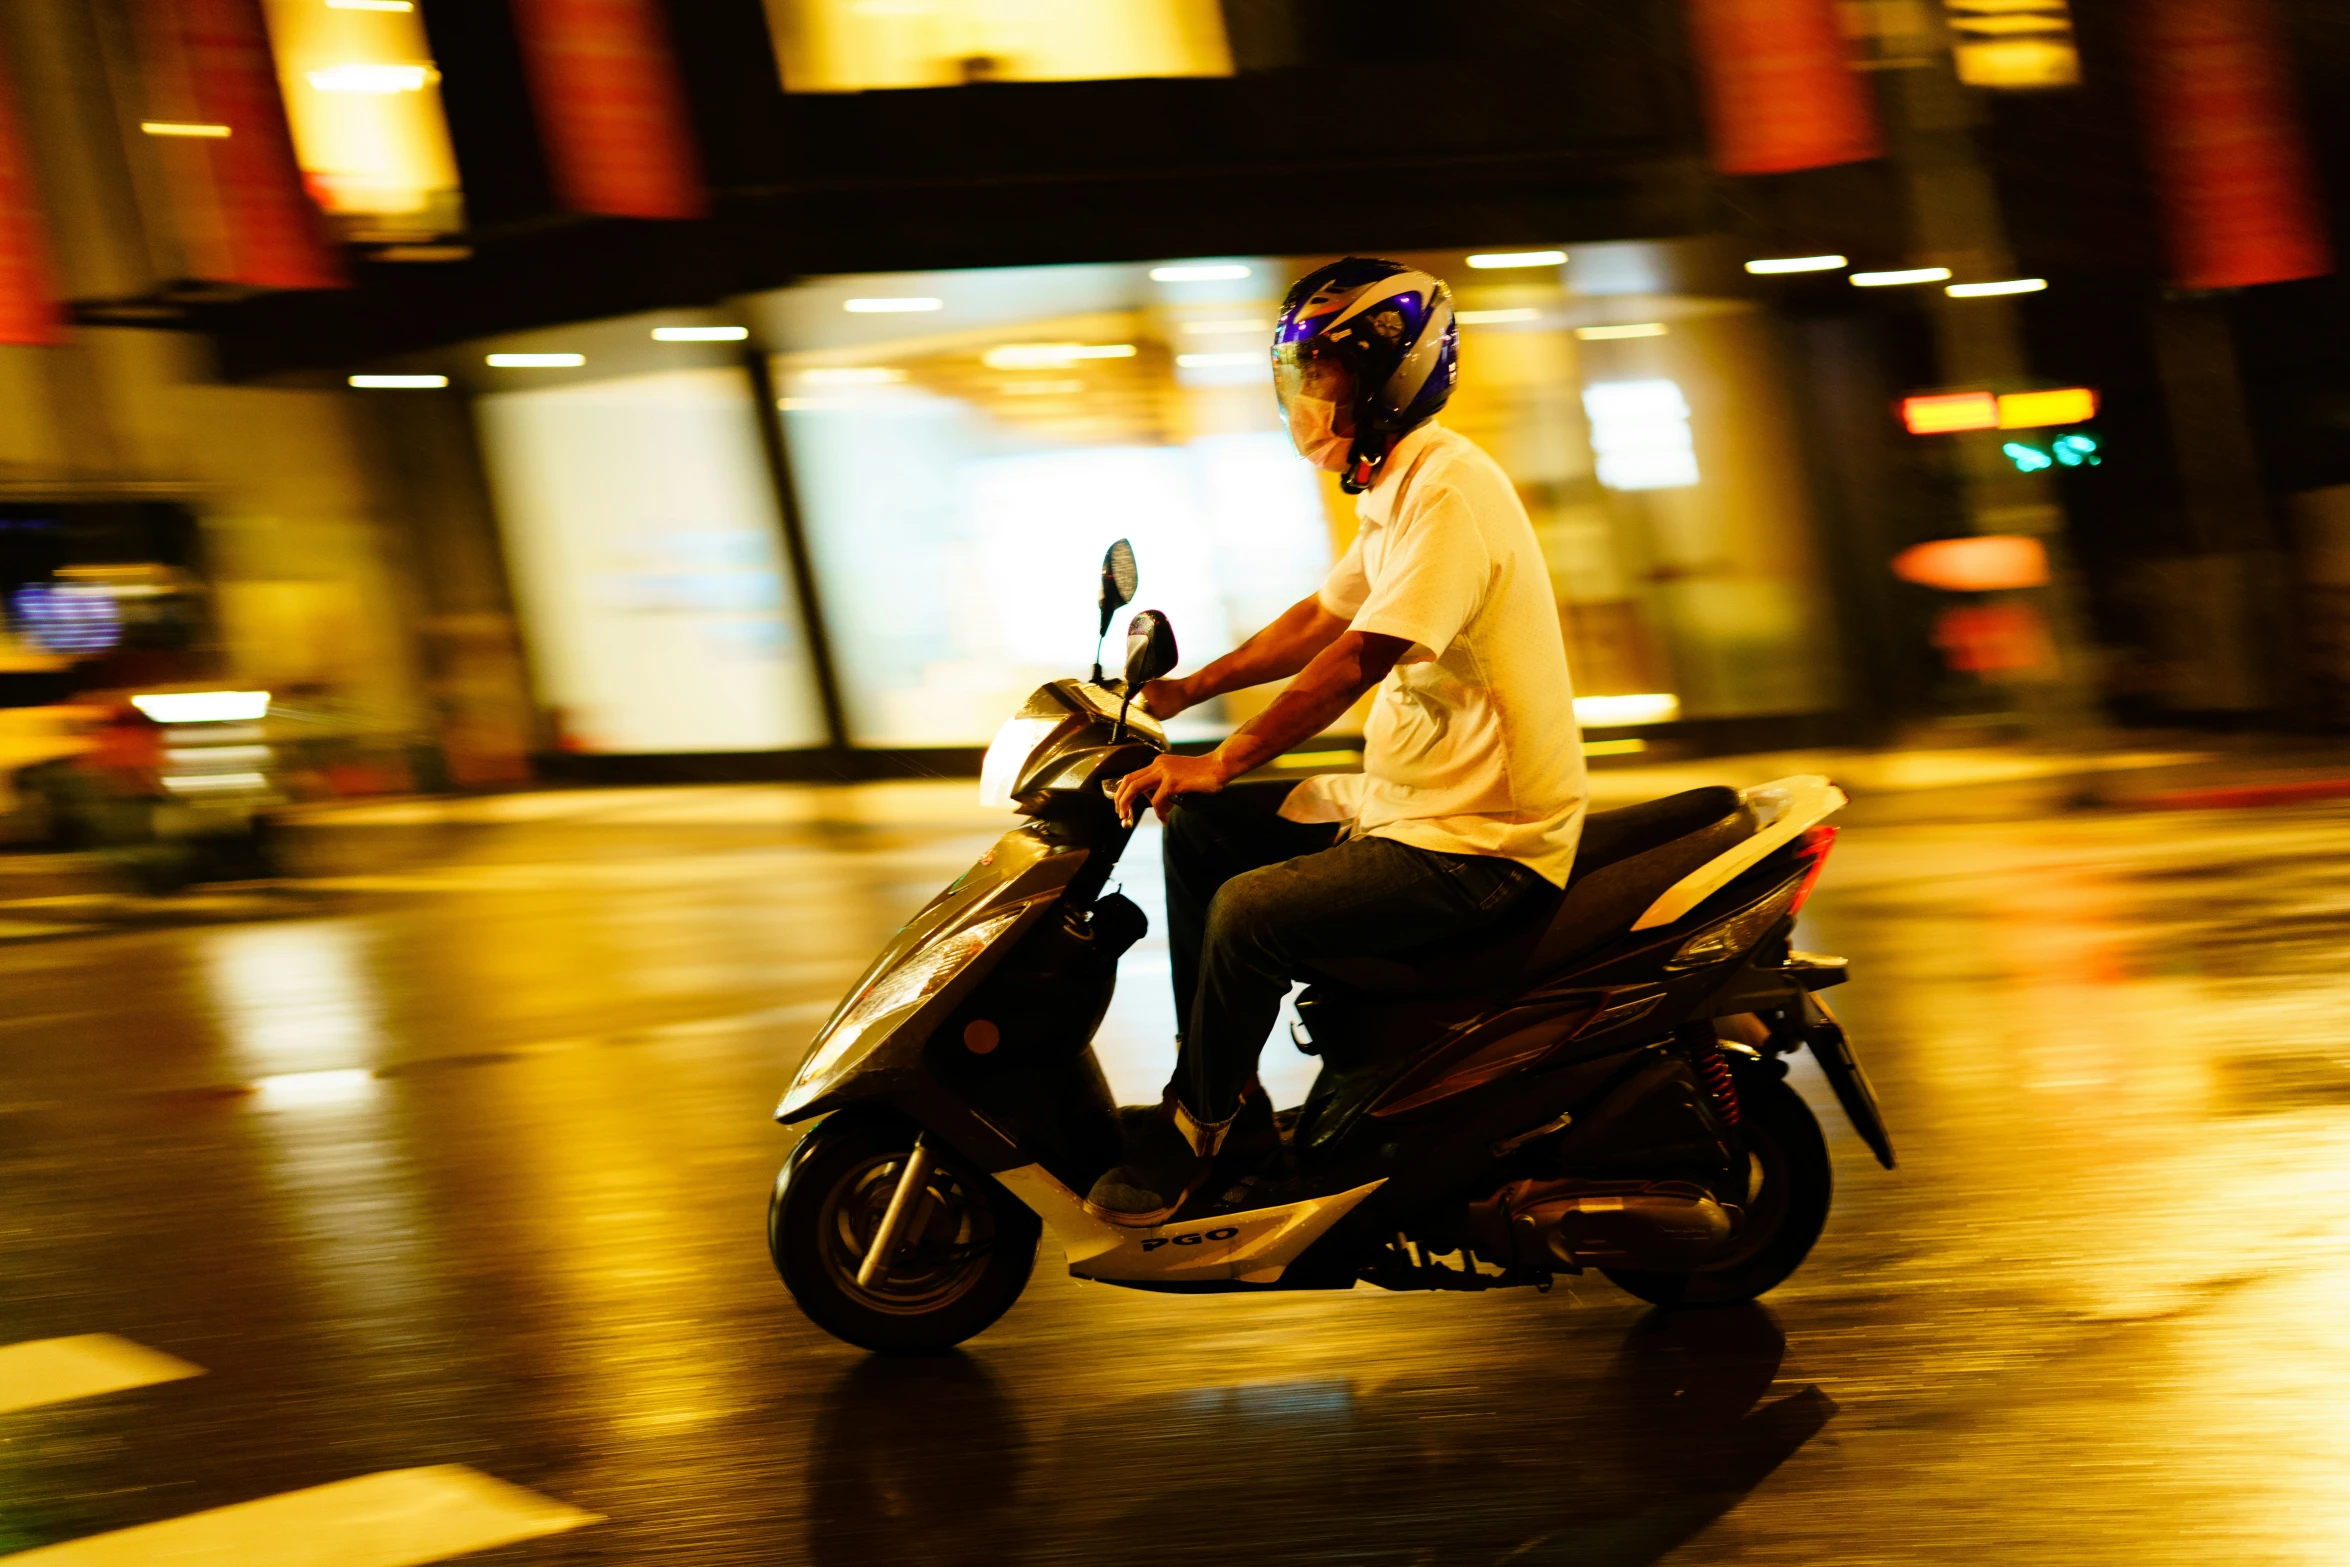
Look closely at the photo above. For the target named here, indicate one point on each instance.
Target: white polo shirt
(1471, 746)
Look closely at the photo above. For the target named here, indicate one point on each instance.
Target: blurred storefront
(957, 448)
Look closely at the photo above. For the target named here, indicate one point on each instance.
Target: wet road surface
(459, 1157)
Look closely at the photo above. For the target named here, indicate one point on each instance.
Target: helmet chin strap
(1363, 463)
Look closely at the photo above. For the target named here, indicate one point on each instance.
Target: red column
(1779, 92)
(2231, 163)
(270, 234)
(610, 108)
(28, 299)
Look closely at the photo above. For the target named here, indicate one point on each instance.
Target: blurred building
(629, 388)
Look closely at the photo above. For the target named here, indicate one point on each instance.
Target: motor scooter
(1599, 1085)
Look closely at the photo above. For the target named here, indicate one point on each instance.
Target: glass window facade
(853, 45)
(647, 556)
(961, 469)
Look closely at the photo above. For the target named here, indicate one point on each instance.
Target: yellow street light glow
(2016, 285)
(1898, 279)
(1051, 356)
(371, 5)
(1219, 272)
(1608, 334)
(1498, 317)
(1773, 266)
(203, 707)
(700, 334)
(1224, 328)
(176, 128)
(1223, 361)
(889, 307)
(536, 361)
(389, 382)
(371, 78)
(851, 375)
(1617, 712)
(1494, 259)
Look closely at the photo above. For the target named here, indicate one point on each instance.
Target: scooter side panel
(1252, 1247)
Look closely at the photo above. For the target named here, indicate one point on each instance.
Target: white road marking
(399, 1518)
(54, 1370)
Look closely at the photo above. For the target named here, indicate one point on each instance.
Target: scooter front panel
(1252, 1247)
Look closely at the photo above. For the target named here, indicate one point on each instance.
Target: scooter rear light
(1813, 846)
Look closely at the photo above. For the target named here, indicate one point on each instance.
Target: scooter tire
(1791, 1201)
(972, 1254)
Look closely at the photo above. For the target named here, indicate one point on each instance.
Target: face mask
(1310, 431)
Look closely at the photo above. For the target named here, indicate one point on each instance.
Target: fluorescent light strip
(1216, 272)
(371, 5)
(1773, 266)
(700, 334)
(889, 307)
(1494, 260)
(1608, 334)
(2020, 285)
(1610, 712)
(1899, 279)
(365, 78)
(1051, 356)
(178, 128)
(203, 707)
(536, 361)
(395, 382)
(1497, 317)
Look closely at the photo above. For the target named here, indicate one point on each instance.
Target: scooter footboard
(1255, 1246)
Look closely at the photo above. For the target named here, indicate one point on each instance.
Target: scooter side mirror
(1150, 649)
(1119, 580)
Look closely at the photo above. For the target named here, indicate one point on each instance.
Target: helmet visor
(1308, 370)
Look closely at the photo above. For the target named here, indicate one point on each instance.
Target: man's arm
(1351, 664)
(1283, 648)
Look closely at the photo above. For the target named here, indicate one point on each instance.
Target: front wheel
(967, 1248)
(1789, 1187)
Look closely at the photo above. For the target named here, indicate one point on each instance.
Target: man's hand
(1167, 778)
(1163, 699)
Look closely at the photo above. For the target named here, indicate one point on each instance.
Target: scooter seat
(1626, 860)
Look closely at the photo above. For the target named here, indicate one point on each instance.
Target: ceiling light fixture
(389, 382)
(1494, 260)
(700, 334)
(536, 361)
(1901, 278)
(1774, 266)
(2017, 285)
(890, 306)
(1213, 272)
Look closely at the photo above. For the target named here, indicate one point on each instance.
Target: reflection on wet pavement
(468, 1166)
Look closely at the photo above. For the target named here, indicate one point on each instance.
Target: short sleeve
(1432, 575)
(1344, 590)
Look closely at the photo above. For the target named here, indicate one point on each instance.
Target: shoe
(1166, 1159)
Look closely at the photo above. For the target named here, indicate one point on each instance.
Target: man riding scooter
(1471, 796)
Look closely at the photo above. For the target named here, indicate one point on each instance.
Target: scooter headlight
(886, 1000)
(1007, 757)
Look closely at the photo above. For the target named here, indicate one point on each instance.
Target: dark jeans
(1250, 897)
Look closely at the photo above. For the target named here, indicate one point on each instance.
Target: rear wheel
(967, 1249)
(1790, 1184)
